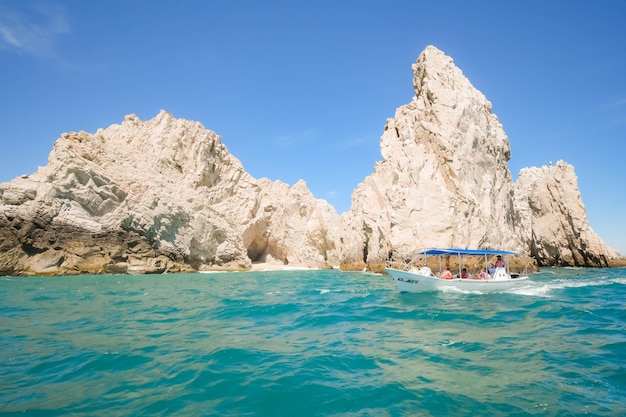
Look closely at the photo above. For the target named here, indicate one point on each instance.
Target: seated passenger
(446, 274)
(464, 274)
(483, 274)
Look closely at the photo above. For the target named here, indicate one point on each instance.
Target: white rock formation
(165, 195)
(553, 220)
(170, 184)
(444, 181)
(444, 178)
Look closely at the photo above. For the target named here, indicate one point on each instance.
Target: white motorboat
(414, 275)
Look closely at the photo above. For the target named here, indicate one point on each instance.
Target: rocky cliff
(553, 220)
(155, 196)
(165, 195)
(444, 181)
(444, 178)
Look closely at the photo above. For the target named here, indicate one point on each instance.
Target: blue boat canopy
(468, 252)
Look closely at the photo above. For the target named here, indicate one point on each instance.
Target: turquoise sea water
(311, 343)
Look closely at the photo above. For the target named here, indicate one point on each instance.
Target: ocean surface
(311, 343)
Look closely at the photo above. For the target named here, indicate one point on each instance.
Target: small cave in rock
(31, 250)
(257, 249)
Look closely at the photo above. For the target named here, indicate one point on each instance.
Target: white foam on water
(532, 290)
(620, 280)
(544, 289)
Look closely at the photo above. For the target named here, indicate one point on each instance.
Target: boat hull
(407, 281)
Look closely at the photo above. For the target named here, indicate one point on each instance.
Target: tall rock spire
(444, 179)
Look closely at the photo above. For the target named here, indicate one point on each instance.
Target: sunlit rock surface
(553, 218)
(155, 196)
(165, 195)
(444, 181)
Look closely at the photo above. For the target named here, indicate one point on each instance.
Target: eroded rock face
(444, 181)
(165, 195)
(444, 178)
(154, 196)
(553, 219)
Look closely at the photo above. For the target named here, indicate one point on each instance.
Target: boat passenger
(464, 274)
(483, 274)
(446, 274)
(500, 262)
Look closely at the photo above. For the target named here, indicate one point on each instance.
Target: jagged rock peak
(554, 220)
(161, 147)
(435, 72)
(444, 179)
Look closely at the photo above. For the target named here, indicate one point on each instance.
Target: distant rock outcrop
(444, 178)
(553, 220)
(155, 196)
(165, 195)
(444, 181)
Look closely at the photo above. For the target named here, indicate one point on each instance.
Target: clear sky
(302, 89)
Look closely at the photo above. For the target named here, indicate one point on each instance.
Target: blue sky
(302, 90)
